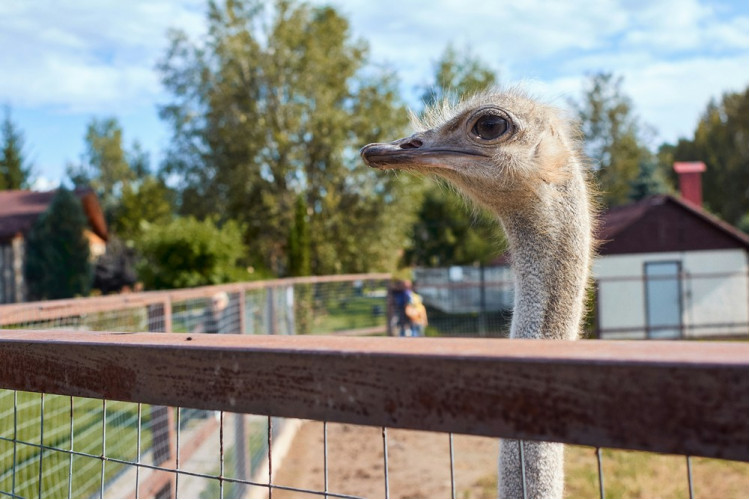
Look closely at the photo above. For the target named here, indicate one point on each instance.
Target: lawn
(632, 474)
(121, 433)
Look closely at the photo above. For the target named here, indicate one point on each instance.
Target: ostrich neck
(550, 246)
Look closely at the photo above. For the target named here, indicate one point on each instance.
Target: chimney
(689, 173)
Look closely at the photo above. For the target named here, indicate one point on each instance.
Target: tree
(186, 252)
(57, 252)
(649, 181)
(14, 169)
(447, 232)
(299, 241)
(274, 105)
(457, 73)
(142, 203)
(129, 194)
(721, 141)
(103, 166)
(613, 135)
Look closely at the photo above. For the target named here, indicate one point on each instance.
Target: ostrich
(519, 159)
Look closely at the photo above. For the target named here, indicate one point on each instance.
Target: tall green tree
(130, 194)
(650, 181)
(613, 134)
(721, 141)
(299, 241)
(447, 232)
(14, 168)
(57, 252)
(103, 165)
(274, 104)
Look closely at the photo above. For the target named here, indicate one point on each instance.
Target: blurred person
(417, 315)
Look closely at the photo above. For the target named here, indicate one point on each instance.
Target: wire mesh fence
(662, 302)
(69, 446)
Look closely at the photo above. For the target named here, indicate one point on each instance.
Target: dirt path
(419, 467)
(418, 463)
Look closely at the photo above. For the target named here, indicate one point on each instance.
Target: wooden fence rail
(54, 309)
(672, 397)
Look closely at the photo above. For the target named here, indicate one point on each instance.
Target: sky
(64, 62)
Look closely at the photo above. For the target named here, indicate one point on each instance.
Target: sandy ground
(419, 467)
(418, 463)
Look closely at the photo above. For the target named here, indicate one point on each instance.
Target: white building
(668, 269)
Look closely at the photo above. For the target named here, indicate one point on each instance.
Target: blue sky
(66, 61)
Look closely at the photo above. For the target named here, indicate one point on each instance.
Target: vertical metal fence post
(168, 315)
(453, 468)
(690, 476)
(271, 310)
(15, 443)
(70, 458)
(325, 459)
(242, 311)
(482, 302)
(104, 446)
(601, 472)
(138, 449)
(163, 434)
(522, 461)
(241, 465)
(221, 454)
(270, 455)
(385, 462)
(41, 440)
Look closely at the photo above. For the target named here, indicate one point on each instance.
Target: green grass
(120, 442)
(347, 313)
(257, 432)
(632, 474)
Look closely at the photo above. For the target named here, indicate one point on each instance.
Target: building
(18, 212)
(669, 269)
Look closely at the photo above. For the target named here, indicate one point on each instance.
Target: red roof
(20, 209)
(663, 223)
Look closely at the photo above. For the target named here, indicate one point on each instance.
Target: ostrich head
(502, 149)
(520, 159)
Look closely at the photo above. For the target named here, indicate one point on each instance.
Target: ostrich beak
(414, 152)
(394, 154)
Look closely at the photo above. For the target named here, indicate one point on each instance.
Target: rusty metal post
(389, 310)
(163, 430)
(271, 310)
(242, 311)
(168, 315)
(242, 452)
(164, 446)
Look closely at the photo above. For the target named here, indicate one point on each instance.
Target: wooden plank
(671, 397)
(11, 314)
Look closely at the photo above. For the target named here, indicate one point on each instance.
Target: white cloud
(87, 55)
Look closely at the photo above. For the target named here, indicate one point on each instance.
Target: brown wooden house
(18, 212)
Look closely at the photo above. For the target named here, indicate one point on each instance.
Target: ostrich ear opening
(552, 157)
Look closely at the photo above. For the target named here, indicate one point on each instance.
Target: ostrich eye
(490, 127)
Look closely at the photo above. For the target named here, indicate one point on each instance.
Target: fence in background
(183, 414)
(664, 304)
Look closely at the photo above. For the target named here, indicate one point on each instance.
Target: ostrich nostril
(411, 144)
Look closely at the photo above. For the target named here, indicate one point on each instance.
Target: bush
(187, 252)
